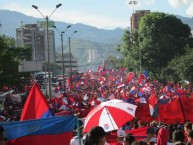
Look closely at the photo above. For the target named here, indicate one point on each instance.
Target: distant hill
(80, 50)
(102, 41)
(11, 20)
(186, 20)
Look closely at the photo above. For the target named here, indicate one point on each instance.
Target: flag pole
(78, 129)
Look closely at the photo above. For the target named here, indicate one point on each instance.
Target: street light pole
(34, 47)
(70, 57)
(132, 3)
(48, 49)
(62, 44)
(69, 38)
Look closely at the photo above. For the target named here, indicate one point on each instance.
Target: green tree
(114, 63)
(10, 56)
(162, 37)
(130, 50)
(180, 68)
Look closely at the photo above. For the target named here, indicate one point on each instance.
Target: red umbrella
(110, 115)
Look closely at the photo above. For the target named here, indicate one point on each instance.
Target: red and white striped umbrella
(110, 115)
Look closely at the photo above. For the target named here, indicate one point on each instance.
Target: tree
(180, 68)
(10, 56)
(129, 50)
(162, 37)
(114, 63)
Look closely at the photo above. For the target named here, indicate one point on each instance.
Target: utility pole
(62, 44)
(47, 39)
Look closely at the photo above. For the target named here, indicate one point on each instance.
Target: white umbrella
(110, 115)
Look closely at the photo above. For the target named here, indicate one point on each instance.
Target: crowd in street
(159, 135)
(85, 91)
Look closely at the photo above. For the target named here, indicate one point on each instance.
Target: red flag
(121, 85)
(152, 100)
(141, 78)
(68, 82)
(71, 98)
(36, 106)
(99, 68)
(139, 133)
(143, 112)
(130, 77)
(89, 70)
(103, 95)
(171, 113)
(56, 102)
(123, 94)
(187, 104)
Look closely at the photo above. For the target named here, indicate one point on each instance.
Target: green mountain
(85, 32)
(102, 42)
(80, 49)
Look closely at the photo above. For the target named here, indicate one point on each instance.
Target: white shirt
(75, 141)
(121, 132)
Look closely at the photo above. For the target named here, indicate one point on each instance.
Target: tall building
(91, 55)
(135, 18)
(35, 37)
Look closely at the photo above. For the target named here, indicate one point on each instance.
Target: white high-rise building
(35, 37)
(91, 55)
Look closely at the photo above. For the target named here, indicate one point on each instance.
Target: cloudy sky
(108, 14)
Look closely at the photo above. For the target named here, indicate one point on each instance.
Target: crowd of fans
(168, 134)
(87, 90)
(155, 134)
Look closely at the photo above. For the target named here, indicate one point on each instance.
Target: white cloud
(177, 3)
(71, 16)
(90, 19)
(27, 10)
(189, 11)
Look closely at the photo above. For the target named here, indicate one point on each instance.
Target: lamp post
(47, 34)
(69, 38)
(133, 3)
(62, 44)
(34, 47)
